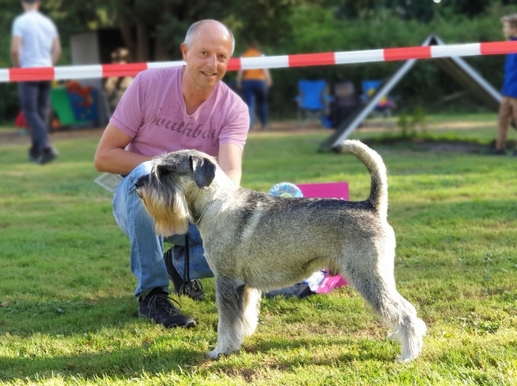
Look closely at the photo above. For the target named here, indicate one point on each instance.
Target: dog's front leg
(231, 328)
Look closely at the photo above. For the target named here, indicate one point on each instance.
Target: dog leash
(185, 286)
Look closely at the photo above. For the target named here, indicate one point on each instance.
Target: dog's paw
(217, 352)
(401, 359)
(214, 354)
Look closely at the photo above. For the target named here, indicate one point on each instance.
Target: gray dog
(257, 242)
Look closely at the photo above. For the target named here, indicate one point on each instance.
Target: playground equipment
(74, 105)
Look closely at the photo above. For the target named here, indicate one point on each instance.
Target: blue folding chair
(385, 106)
(312, 102)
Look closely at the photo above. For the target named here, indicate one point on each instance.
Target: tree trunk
(127, 37)
(142, 43)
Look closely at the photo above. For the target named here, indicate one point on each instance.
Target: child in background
(508, 107)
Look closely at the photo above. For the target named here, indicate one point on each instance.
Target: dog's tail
(373, 161)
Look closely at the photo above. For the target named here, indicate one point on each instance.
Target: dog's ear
(204, 171)
(162, 171)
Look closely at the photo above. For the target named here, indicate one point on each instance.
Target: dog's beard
(169, 210)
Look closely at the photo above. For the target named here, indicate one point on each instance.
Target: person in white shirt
(35, 43)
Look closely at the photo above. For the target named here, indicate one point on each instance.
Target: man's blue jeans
(34, 101)
(146, 251)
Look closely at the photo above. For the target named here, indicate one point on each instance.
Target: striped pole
(283, 61)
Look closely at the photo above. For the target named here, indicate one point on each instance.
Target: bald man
(163, 110)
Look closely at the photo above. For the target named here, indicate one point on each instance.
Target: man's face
(208, 55)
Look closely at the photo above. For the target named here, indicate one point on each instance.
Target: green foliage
(423, 11)
(9, 105)
(315, 30)
(414, 125)
(9, 12)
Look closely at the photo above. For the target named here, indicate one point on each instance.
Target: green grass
(67, 314)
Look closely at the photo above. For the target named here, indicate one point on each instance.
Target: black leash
(185, 286)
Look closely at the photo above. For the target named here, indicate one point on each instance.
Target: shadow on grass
(126, 364)
(92, 340)
(356, 349)
(117, 364)
(53, 317)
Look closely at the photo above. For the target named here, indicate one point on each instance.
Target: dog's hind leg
(233, 323)
(409, 331)
(395, 311)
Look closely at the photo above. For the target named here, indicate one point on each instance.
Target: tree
(154, 29)
(470, 8)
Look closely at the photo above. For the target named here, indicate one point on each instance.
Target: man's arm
(55, 50)
(111, 155)
(16, 43)
(230, 160)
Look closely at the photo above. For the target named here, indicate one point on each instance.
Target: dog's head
(175, 180)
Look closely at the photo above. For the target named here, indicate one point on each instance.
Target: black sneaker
(34, 155)
(158, 307)
(497, 152)
(48, 155)
(514, 153)
(193, 289)
(298, 290)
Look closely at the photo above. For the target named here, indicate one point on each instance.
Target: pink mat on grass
(337, 190)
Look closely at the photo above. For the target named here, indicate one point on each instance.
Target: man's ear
(203, 170)
(184, 49)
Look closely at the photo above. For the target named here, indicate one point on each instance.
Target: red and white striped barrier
(283, 61)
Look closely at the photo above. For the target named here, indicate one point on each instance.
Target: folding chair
(385, 106)
(312, 101)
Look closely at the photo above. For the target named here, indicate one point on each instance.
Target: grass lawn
(67, 314)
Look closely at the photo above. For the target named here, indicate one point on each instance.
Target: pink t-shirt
(152, 111)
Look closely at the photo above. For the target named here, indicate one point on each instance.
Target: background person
(165, 110)
(35, 43)
(508, 107)
(255, 85)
